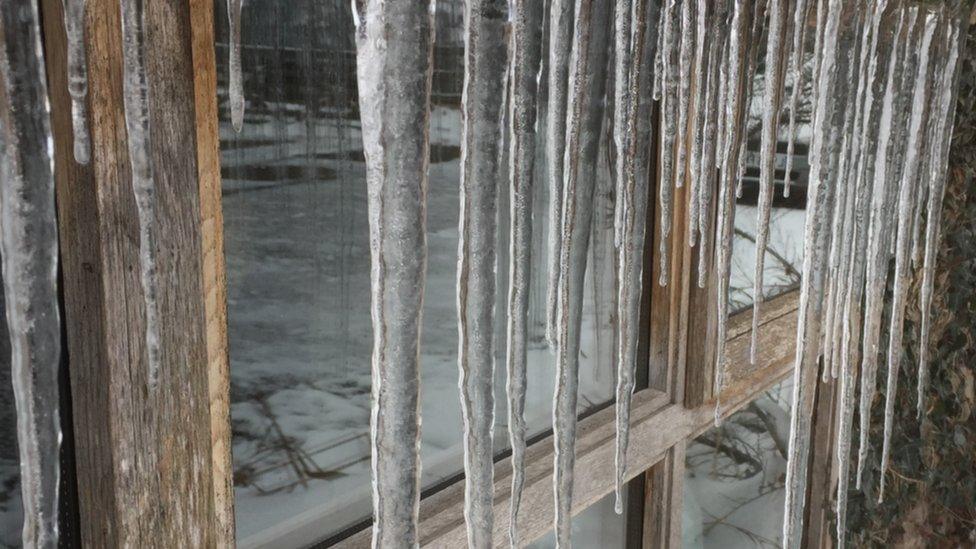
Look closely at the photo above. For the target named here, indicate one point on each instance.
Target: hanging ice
(801, 10)
(481, 114)
(74, 28)
(685, 58)
(632, 110)
(29, 251)
(525, 54)
(136, 103)
(669, 133)
(394, 74)
(560, 38)
(588, 65)
(236, 84)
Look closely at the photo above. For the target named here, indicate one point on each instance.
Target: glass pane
(734, 477)
(597, 526)
(784, 252)
(296, 243)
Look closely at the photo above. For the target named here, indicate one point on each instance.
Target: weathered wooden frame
(155, 468)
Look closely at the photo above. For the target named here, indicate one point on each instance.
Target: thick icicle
(136, 104)
(525, 59)
(622, 108)
(393, 51)
(800, 14)
(877, 247)
(29, 250)
(633, 117)
(815, 242)
(560, 38)
(944, 114)
(74, 29)
(669, 130)
(772, 100)
(482, 111)
(583, 128)
(685, 61)
(906, 203)
(235, 88)
(700, 60)
(735, 113)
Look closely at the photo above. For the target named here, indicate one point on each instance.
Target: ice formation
(486, 62)
(29, 250)
(394, 68)
(74, 29)
(235, 88)
(136, 104)
(525, 59)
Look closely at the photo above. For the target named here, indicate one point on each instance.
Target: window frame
(98, 254)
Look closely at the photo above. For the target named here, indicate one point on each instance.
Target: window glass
(734, 477)
(11, 510)
(296, 243)
(597, 526)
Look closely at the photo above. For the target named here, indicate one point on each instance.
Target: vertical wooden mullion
(147, 475)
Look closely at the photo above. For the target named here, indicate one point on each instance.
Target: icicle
(74, 29)
(583, 128)
(815, 242)
(631, 129)
(906, 199)
(715, 98)
(772, 99)
(394, 74)
(481, 114)
(684, 87)
(736, 110)
(800, 14)
(136, 103)
(29, 250)
(877, 250)
(669, 130)
(560, 38)
(524, 63)
(757, 35)
(236, 85)
(697, 129)
(944, 114)
(623, 109)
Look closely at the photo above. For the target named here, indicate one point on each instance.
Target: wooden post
(153, 466)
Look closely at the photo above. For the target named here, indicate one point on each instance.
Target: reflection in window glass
(597, 526)
(734, 477)
(296, 243)
(11, 510)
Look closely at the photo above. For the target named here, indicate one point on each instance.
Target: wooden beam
(146, 473)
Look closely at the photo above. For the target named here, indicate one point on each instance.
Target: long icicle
(877, 250)
(560, 39)
(906, 203)
(801, 12)
(685, 61)
(632, 133)
(136, 104)
(700, 60)
(74, 30)
(524, 67)
(584, 119)
(772, 100)
(816, 239)
(394, 48)
(669, 130)
(486, 57)
(29, 250)
(235, 88)
(945, 109)
(622, 36)
(736, 113)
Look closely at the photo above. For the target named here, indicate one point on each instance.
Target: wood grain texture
(145, 466)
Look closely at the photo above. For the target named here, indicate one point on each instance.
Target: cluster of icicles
(29, 240)
(883, 86)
